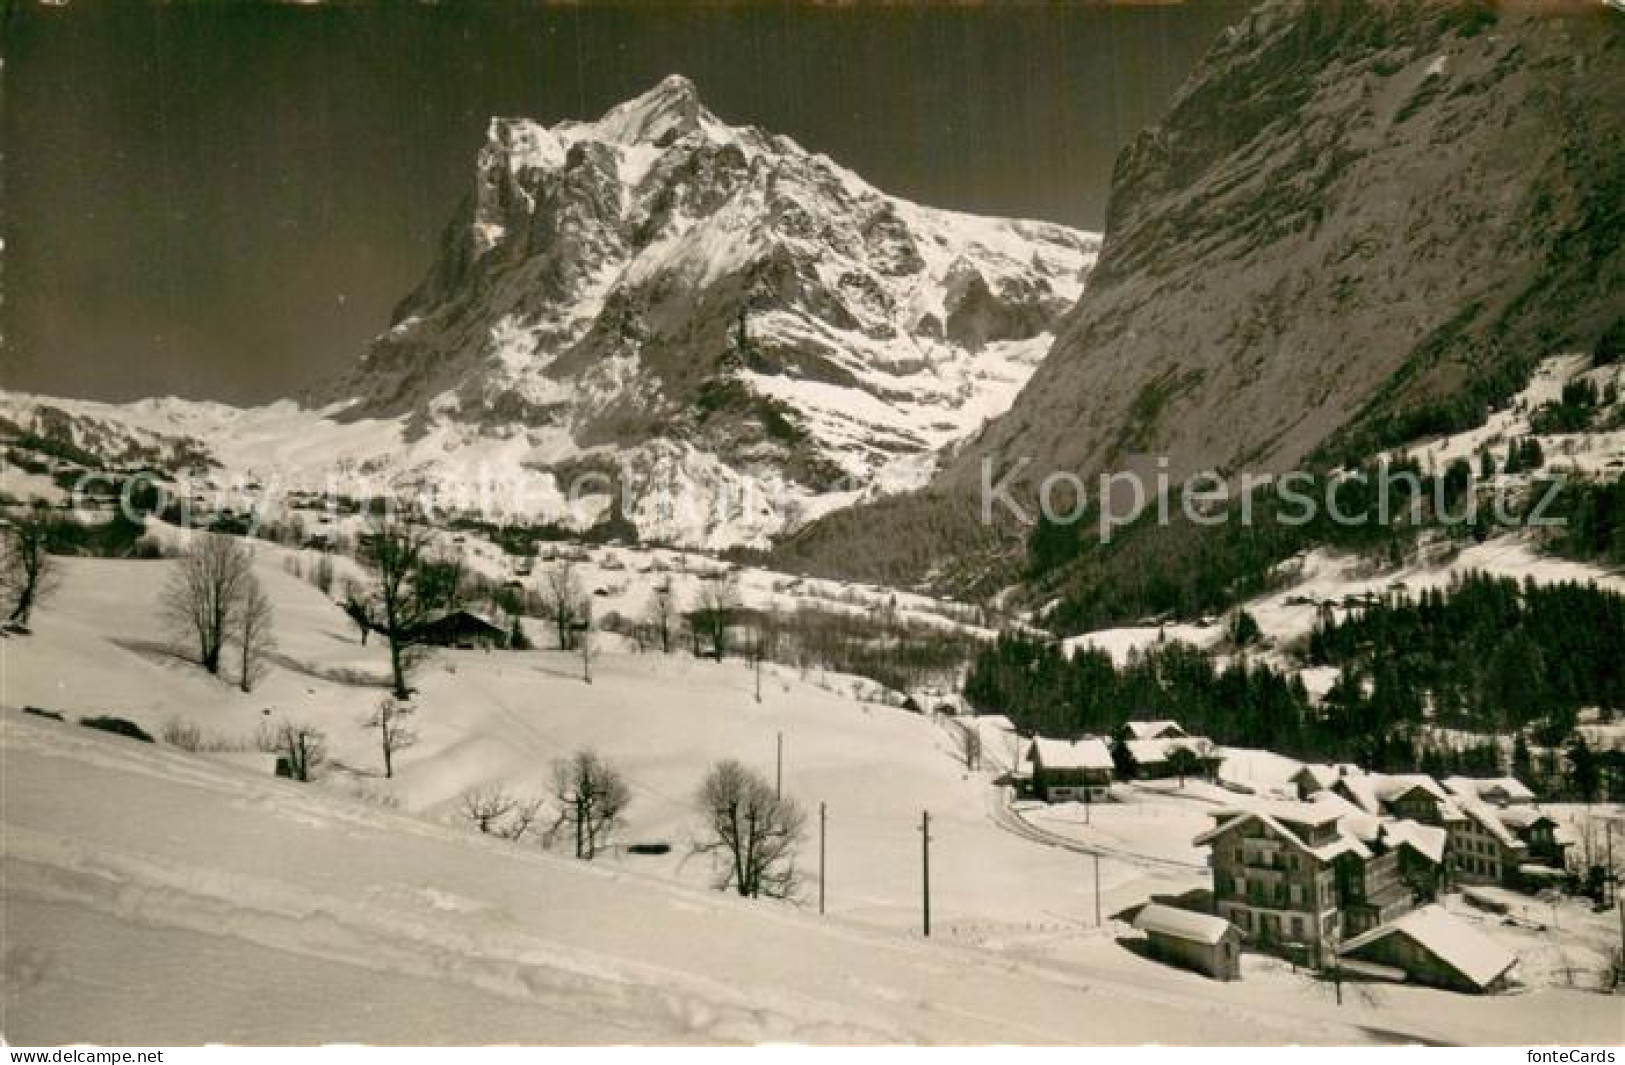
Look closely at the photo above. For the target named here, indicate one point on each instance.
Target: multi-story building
(1275, 873)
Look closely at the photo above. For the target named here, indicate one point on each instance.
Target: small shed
(1433, 947)
(1199, 941)
(462, 628)
(1071, 770)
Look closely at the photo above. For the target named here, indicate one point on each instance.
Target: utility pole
(778, 768)
(925, 867)
(822, 819)
(1097, 890)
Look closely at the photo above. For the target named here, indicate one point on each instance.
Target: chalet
(1064, 770)
(1497, 791)
(464, 629)
(1275, 873)
(1407, 796)
(1155, 730)
(1431, 947)
(1199, 941)
(1483, 850)
(1314, 778)
(1538, 834)
(1153, 759)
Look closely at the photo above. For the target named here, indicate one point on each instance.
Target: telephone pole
(778, 769)
(925, 867)
(822, 817)
(1097, 890)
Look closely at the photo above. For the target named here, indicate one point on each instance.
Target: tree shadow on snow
(346, 676)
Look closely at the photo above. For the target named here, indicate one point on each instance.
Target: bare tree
(970, 744)
(359, 609)
(487, 807)
(525, 814)
(751, 832)
(719, 599)
(253, 633)
(392, 719)
(592, 795)
(322, 575)
(663, 614)
(204, 597)
(583, 633)
(393, 549)
(561, 599)
(27, 569)
(300, 749)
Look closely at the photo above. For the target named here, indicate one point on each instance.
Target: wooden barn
(1431, 947)
(464, 629)
(1198, 941)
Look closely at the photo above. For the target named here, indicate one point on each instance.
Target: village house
(1070, 770)
(1497, 791)
(1482, 849)
(463, 629)
(1155, 730)
(1275, 874)
(1153, 758)
(1429, 946)
(1198, 941)
(1538, 834)
(1315, 778)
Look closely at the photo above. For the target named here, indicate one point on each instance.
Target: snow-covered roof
(1426, 840)
(1070, 754)
(1483, 787)
(1151, 730)
(1326, 775)
(1454, 942)
(1489, 818)
(998, 722)
(1352, 819)
(1280, 816)
(1181, 924)
(1153, 752)
(1370, 791)
(1522, 817)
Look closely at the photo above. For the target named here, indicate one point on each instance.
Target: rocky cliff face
(697, 308)
(1359, 218)
(1360, 222)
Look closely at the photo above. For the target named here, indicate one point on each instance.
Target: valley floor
(156, 896)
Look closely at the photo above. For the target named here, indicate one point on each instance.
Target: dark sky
(224, 199)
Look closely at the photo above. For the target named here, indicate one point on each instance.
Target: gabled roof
(1522, 817)
(1371, 791)
(1070, 754)
(1351, 819)
(1152, 752)
(1279, 817)
(1425, 840)
(1479, 787)
(1459, 945)
(1489, 818)
(1152, 730)
(1181, 924)
(1326, 775)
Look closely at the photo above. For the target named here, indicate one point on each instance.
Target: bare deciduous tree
(393, 549)
(592, 795)
(752, 832)
(714, 613)
(253, 633)
(663, 614)
(300, 749)
(359, 609)
(525, 814)
(27, 570)
(392, 719)
(561, 599)
(204, 597)
(487, 807)
(970, 744)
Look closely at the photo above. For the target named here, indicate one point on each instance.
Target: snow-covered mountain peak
(743, 331)
(669, 110)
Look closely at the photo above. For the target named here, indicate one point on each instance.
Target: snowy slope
(739, 332)
(160, 877)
